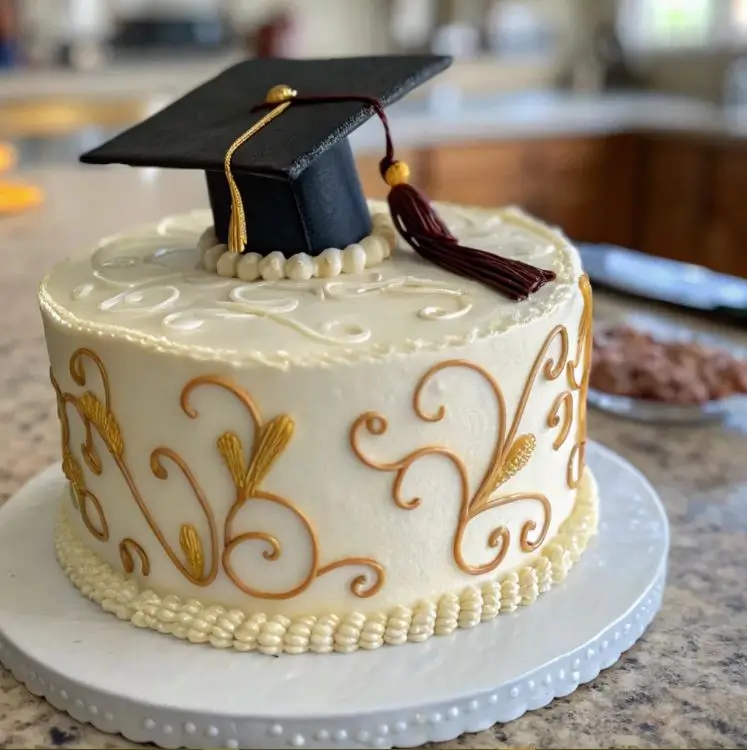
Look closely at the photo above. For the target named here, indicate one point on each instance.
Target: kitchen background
(622, 121)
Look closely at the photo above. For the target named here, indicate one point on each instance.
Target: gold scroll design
(248, 471)
(98, 418)
(270, 440)
(512, 451)
(563, 404)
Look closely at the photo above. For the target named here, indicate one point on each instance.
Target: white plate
(153, 688)
(661, 412)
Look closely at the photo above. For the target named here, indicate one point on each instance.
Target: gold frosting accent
(73, 471)
(229, 446)
(125, 555)
(511, 453)
(199, 560)
(516, 459)
(269, 442)
(273, 439)
(562, 401)
(190, 543)
(577, 459)
(97, 415)
(343, 633)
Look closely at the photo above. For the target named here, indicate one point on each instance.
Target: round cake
(322, 459)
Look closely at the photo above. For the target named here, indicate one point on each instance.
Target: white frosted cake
(322, 459)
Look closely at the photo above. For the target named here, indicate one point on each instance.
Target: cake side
(235, 628)
(345, 484)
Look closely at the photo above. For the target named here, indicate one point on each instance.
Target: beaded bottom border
(231, 628)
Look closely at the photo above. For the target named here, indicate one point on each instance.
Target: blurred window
(740, 17)
(662, 24)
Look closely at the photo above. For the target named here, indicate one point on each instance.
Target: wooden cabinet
(673, 198)
(579, 184)
(669, 195)
(725, 232)
(692, 202)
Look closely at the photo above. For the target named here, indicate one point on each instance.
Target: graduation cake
(300, 421)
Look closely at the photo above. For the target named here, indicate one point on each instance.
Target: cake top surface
(147, 286)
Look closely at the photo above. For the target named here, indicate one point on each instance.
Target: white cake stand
(153, 688)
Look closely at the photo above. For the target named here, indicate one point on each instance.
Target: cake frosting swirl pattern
(361, 459)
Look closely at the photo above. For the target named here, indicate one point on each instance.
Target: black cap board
(296, 175)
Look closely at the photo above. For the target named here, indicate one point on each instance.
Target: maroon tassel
(422, 229)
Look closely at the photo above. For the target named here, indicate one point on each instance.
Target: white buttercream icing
(224, 627)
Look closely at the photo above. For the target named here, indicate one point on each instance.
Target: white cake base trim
(234, 628)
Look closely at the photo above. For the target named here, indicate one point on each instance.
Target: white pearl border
(369, 252)
(235, 629)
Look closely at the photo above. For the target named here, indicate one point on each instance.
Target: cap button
(280, 93)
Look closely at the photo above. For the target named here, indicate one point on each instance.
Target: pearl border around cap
(334, 261)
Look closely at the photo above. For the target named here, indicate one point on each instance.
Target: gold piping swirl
(96, 415)
(360, 585)
(577, 458)
(160, 472)
(78, 372)
(73, 470)
(563, 400)
(269, 442)
(377, 425)
(100, 532)
(511, 452)
(128, 562)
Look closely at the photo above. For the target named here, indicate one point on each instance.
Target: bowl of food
(665, 374)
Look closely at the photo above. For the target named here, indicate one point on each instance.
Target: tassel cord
(421, 227)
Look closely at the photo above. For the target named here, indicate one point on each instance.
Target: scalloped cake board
(153, 688)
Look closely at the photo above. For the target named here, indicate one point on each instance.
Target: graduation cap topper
(270, 135)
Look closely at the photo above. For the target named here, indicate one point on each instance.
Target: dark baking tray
(666, 281)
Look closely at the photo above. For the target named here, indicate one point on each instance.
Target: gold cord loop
(282, 96)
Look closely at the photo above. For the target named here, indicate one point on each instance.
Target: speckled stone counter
(683, 685)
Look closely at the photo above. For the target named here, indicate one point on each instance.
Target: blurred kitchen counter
(148, 77)
(470, 101)
(447, 115)
(158, 75)
(682, 685)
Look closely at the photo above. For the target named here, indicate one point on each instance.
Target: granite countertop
(683, 685)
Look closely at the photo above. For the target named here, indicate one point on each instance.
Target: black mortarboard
(296, 176)
(271, 136)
